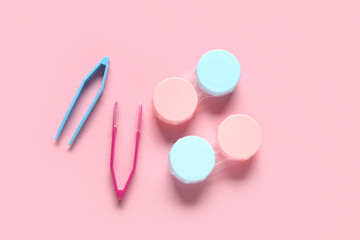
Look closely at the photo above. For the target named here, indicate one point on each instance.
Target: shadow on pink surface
(188, 194)
(171, 133)
(215, 105)
(236, 171)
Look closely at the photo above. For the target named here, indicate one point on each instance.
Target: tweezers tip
(105, 60)
(58, 132)
(139, 117)
(115, 112)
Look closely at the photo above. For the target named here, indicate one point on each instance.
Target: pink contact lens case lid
(175, 100)
(239, 137)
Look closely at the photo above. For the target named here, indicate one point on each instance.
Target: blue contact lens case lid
(192, 159)
(218, 72)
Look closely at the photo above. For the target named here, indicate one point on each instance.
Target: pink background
(300, 80)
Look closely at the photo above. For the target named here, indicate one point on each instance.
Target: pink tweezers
(121, 192)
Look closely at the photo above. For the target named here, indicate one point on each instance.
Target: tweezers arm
(70, 109)
(103, 63)
(112, 159)
(87, 114)
(121, 192)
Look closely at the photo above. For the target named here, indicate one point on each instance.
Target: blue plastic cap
(218, 72)
(191, 159)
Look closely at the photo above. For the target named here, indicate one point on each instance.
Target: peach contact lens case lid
(175, 100)
(239, 137)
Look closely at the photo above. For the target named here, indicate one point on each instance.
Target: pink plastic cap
(175, 100)
(239, 137)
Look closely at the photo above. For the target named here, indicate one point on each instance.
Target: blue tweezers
(103, 63)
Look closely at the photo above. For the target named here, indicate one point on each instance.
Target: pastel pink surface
(300, 81)
(175, 100)
(239, 137)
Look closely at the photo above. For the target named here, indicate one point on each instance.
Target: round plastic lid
(218, 72)
(191, 159)
(239, 137)
(175, 100)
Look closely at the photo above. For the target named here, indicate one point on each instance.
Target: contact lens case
(175, 99)
(192, 158)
